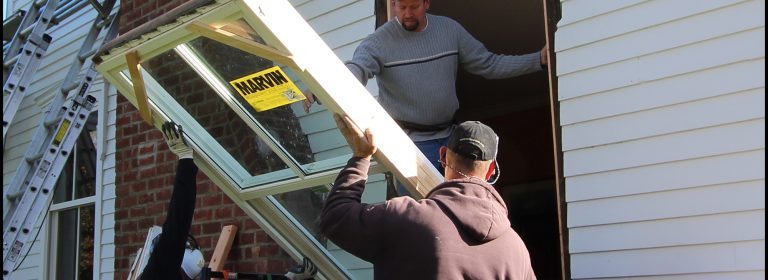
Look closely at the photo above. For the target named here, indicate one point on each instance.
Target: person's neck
(461, 175)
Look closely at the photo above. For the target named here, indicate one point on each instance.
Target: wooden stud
(223, 246)
(132, 59)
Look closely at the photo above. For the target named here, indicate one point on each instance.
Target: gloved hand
(307, 270)
(174, 137)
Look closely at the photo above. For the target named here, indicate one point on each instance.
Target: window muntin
(73, 225)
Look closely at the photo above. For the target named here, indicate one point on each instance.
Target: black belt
(422, 127)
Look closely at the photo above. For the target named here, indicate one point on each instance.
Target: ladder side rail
(20, 79)
(40, 13)
(16, 81)
(30, 17)
(88, 49)
(39, 195)
(34, 153)
(53, 114)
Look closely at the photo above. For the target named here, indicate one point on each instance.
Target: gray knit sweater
(416, 71)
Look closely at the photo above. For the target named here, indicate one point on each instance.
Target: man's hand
(544, 55)
(175, 139)
(310, 99)
(362, 144)
(304, 271)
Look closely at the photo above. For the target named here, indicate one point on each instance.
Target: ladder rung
(24, 32)
(68, 87)
(32, 159)
(83, 56)
(9, 63)
(39, 3)
(68, 10)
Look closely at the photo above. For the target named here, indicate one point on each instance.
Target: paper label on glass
(267, 89)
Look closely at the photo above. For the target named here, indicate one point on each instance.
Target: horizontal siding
(679, 61)
(667, 91)
(674, 175)
(663, 137)
(632, 17)
(705, 229)
(725, 139)
(666, 120)
(706, 26)
(725, 198)
(703, 258)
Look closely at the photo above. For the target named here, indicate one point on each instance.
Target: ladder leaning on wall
(31, 189)
(24, 51)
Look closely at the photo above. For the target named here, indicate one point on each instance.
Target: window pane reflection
(305, 138)
(211, 112)
(305, 206)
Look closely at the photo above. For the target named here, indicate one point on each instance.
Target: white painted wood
(731, 108)
(668, 176)
(662, 37)
(326, 140)
(663, 123)
(734, 197)
(728, 227)
(341, 16)
(669, 63)
(632, 18)
(575, 11)
(707, 83)
(314, 8)
(732, 138)
(349, 33)
(733, 256)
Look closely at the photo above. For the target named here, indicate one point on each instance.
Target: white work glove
(307, 270)
(174, 137)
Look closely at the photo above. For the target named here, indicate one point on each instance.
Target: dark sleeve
(356, 227)
(166, 257)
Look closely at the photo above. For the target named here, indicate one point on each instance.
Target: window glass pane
(64, 184)
(85, 252)
(85, 173)
(305, 205)
(311, 140)
(185, 86)
(66, 237)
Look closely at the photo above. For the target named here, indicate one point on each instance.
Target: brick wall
(144, 179)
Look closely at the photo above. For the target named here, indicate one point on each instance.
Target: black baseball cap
(474, 140)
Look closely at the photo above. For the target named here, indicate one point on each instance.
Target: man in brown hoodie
(459, 231)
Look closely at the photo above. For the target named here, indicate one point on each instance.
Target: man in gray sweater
(415, 58)
(459, 231)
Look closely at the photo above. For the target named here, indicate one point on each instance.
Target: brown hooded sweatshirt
(460, 231)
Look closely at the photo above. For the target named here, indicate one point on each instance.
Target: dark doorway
(518, 109)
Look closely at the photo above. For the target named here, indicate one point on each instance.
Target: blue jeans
(430, 149)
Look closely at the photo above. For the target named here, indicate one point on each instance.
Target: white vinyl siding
(68, 37)
(342, 24)
(662, 108)
(104, 265)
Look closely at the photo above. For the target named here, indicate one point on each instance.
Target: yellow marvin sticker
(267, 89)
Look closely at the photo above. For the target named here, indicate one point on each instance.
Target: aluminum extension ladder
(31, 188)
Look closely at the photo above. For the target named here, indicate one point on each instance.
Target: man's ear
(443, 150)
(491, 169)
